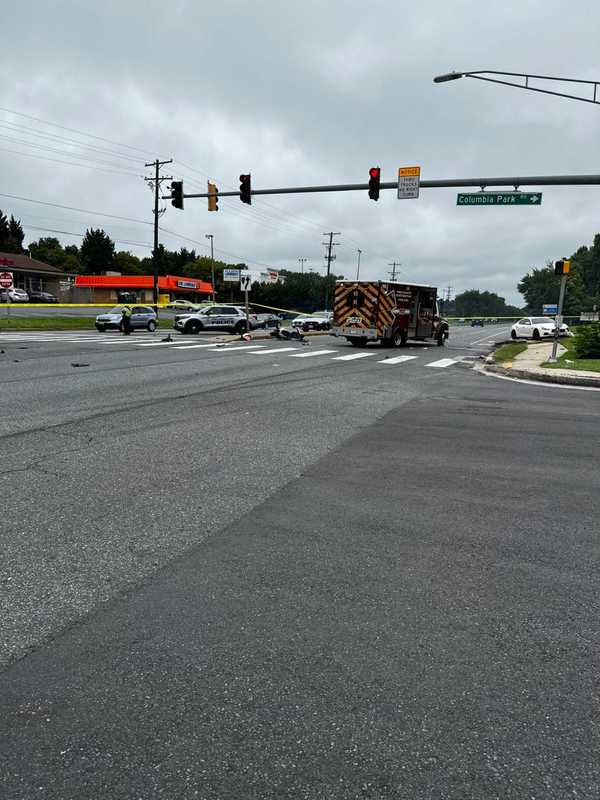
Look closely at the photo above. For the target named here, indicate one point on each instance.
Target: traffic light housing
(374, 181)
(246, 189)
(177, 194)
(213, 204)
(562, 267)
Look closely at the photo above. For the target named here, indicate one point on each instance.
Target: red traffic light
(374, 180)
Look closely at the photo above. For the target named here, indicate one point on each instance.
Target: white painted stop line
(397, 360)
(353, 356)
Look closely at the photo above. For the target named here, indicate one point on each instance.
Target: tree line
(541, 285)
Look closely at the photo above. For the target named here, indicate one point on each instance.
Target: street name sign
(499, 199)
(409, 181)
(550, 308)
(231, 275)
(6, 280)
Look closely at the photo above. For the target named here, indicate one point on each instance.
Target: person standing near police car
(126, 320)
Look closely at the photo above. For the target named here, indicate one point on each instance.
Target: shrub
(587, 341)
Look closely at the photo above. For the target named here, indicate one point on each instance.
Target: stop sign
(6, 280)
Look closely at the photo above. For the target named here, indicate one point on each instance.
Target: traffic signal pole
(155, 253)
(515, 182)
(561, 298)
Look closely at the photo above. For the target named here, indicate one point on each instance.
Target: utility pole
(157, 179)
(302, 261)
(393, 265)
(329, 258)
(358, 265)
(212, 264)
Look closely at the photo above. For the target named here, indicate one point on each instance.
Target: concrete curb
(542, 376)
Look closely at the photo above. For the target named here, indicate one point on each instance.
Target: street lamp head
(448, 76)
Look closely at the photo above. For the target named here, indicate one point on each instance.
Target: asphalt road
(259, 572)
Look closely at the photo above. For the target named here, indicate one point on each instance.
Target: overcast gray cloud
(298, 93)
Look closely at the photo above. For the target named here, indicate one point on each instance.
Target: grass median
(46, 323)
(508, 351)
(569, 360)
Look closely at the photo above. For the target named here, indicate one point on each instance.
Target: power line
(73, 208)
(74, 130)
(24, 130)
(68, 163)
(82, 235)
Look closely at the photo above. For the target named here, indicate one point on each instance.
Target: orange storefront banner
(168, 283)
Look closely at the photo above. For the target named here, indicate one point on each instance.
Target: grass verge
(568, 360)
(46, 323)
(508, 351)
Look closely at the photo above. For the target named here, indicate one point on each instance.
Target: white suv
(224, 318)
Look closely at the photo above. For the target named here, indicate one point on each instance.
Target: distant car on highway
(537, 328)
(17, 295)
(312, 322)
(225, 318)
(41, 297)
(477, 323)
(141, 317)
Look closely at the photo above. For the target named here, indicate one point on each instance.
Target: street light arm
(483, 75)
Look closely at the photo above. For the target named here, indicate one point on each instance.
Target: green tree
(127, 264)
(542, 286)
(97, 252)
(50, 251)
(11, 234)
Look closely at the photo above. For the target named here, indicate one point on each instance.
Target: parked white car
(16, 295)
(537, 328)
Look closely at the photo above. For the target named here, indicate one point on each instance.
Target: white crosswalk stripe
(314, 353)
(167, 344)
(267, 348)
(442, 363)
(228, 349)
(272, 350)
(397, 360)
(353, 356)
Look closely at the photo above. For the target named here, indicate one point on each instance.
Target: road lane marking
(353, 356)
(227, 349)
(172, 343)
(396, 360)
(314, 353)
(443, 362)
(187, 346)
(273, 350)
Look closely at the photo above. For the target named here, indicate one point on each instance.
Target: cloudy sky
(302, 93)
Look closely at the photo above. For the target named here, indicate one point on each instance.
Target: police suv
(226, 318)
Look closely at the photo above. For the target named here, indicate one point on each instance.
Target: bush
(587, 341)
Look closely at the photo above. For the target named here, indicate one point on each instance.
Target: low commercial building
(33, 275)
(138, 288)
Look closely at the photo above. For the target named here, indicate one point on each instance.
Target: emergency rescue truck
(387, 312)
